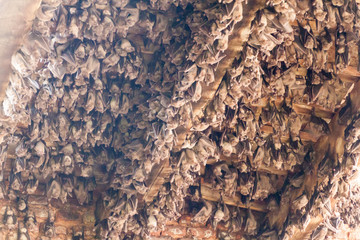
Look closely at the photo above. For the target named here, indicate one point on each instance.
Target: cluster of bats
(100, 91)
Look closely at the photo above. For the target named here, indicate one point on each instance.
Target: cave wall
(16, 18)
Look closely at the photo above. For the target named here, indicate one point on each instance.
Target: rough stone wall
(185, 229)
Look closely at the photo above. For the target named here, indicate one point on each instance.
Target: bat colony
(247, 103)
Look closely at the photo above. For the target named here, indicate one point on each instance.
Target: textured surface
(183, 119)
